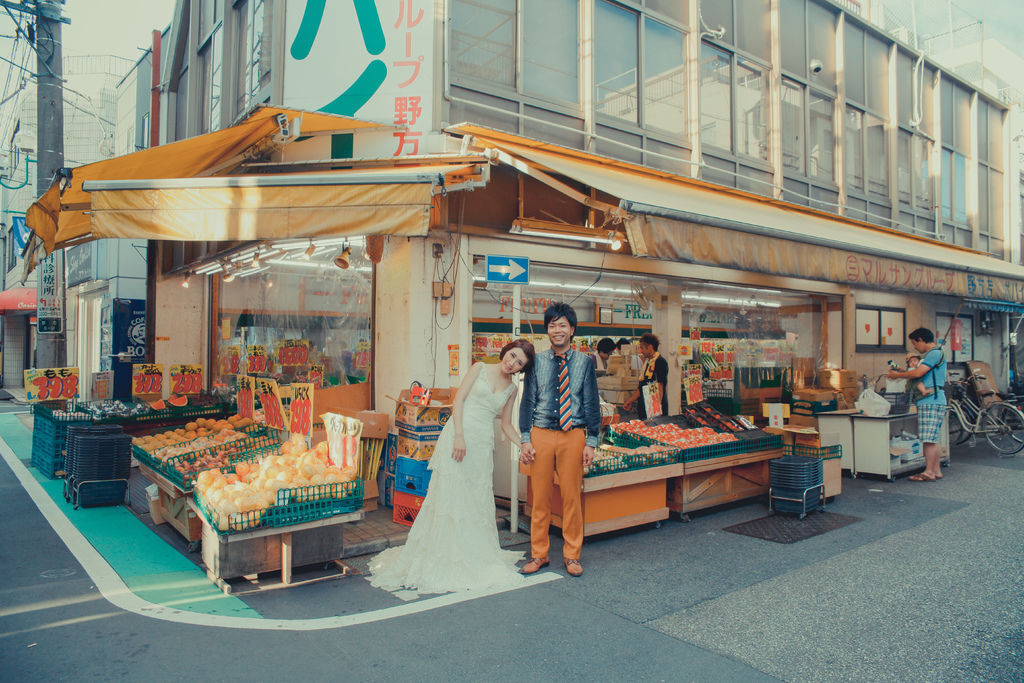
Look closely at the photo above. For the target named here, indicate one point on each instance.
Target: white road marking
(117, 593)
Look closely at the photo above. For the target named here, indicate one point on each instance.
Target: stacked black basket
(98, 464)
(797, 484)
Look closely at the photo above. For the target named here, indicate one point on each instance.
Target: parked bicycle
(1002, 423)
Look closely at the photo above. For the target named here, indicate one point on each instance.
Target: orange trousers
(559, 458)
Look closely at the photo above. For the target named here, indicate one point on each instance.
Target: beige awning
(683, 219)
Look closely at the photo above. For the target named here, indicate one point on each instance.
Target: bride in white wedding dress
(453, 544)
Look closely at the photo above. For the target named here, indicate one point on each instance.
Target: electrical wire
(32, 44)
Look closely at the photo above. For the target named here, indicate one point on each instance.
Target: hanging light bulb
(255, 259)
(342, 259)
(229, 275)
(184, 283)
(270, 282)
(309, 251)
(617, 240)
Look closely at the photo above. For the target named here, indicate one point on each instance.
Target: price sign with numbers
(290, 352)
(270, 398)
(301, 421)
(316, 375)
(186, 379)
(258, 361)
(361, 358)
(51, 384)
(246, 396)
(147, 379)
(229, 360)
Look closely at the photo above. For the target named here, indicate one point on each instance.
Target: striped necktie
(564, 405)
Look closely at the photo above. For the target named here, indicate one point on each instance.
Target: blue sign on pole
(511, 269)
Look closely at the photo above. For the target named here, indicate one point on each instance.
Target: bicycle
(1001, 423)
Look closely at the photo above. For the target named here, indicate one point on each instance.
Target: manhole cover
(57, 573)
(790, 529)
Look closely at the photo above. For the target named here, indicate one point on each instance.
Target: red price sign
(229, 360)
(301, 407)
(147, 379)
(292, 352)
(246, 396)
(51, 384)
(186, 379)
(270, 399)
(316, 375)
(258, 360)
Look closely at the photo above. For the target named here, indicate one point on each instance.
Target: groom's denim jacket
(539, 407)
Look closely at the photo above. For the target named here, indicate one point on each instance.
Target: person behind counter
(605, 348)
(931, 401)
(655, 372)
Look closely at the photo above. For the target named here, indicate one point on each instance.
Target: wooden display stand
(706, 483)
(616, 501)
(173, 505)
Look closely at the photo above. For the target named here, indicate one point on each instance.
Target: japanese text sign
(270, 399)
(51, 384)
(186, 379)
(147, 379)
(246, 396)
(301, 410)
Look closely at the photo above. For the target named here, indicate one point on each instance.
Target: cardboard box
(797, 420)
(418, 447)
(615, 397)
(814, 395)
(431, 418)
(838, 379)
(617, 383)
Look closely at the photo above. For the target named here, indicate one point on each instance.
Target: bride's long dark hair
(526, 347)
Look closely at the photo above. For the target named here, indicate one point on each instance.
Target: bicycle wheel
(1004, 428)
(957, 432)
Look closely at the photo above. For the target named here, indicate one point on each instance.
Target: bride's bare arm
(459, 448)
(506, 420)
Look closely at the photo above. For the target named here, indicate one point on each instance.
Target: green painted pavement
(152, 569)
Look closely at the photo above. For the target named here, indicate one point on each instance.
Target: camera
(816, 66)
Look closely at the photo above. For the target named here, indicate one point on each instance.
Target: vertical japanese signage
(49, 302)
(270, 399)
(246, 396)
(301, 410)
(257, 362)
(387, 47)
(229, 359)
(316, 375)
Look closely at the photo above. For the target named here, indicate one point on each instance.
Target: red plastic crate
(407, 506)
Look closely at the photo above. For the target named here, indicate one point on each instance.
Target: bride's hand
(459, 450)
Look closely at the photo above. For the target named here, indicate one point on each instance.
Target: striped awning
(993, 305)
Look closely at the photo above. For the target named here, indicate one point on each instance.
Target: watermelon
(178, 401)
(157, 405)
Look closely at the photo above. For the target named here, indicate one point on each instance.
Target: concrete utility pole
(51, 347)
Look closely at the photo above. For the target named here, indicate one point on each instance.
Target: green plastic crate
(823, 452)
(295, 506)
(639, 461)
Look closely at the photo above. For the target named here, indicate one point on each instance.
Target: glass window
(995, 136)
(947, 180)
(903, 166)
(718, 14)
(752, 110)
(853, 148)
(854, 60)
(927, 107)
(983, 199)
(212, 91)
(793, 25)
(753, 27)
(483, 40)
(664, 78)
(181, 108)
(995, 203)
(947, 112)
(615, 62)
(715, 98)
(551, 49)
(792, 126)
(253, 52)
(905, 88)
(921, 151)
(983, 146)
(877, 75)
(877, 157)
(821, 161)
(961, 119)
(959, 188)
(204, 63)
(821, 44)
(673, 9)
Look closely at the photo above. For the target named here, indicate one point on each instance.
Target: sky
(117, 27)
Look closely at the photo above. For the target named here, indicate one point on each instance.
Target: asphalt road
(926, 586)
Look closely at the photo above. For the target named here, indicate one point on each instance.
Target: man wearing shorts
(930, 376)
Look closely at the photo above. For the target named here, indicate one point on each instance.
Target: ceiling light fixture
(562, 231)
(309, 251)
(617, 241)
(342, 259)
(184, 283)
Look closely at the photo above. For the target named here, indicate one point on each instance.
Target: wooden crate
(707, 483)
(173, 505)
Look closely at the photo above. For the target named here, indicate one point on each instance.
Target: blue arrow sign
(512, 269)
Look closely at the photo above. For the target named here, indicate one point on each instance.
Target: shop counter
(866, 442)
(706, 483)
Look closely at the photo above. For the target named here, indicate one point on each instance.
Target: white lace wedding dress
(453, 544)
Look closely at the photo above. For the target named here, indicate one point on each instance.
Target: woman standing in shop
(605, 348)
(654, 375)
(453, 544)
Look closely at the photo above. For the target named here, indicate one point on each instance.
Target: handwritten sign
(51, 384)
(246, 396)
(291, 352)
(316, 375)
(361, 358)
(229, 360)
(102, 385)
(147, 379)
(453, 360)
(301, 418)
(186, 379)
(270, 398)
(258, 362)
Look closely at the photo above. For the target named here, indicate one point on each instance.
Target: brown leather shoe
(574, 567)
(534, 565)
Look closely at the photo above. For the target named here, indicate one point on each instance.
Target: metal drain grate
(787, 529)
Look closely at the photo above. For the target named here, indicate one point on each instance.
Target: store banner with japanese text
(51, 384)
(387, 48)
(49, 297)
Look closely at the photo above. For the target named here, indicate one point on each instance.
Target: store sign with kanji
(147, 379)
(388, 49)
(49, 300)
(270, 400)
(292, 352)
(186, 379)
(51, 384)
(246, 397)
(301, 410)
(257, 362)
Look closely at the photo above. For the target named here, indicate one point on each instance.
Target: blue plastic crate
(412, 476)
(390, 454)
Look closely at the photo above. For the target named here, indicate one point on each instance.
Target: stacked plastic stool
(797, 485)
(98, 464)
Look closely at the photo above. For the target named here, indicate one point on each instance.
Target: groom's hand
(588, 455)
(527, 453)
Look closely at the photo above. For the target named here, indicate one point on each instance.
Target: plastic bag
(870, 403)
(343, 435)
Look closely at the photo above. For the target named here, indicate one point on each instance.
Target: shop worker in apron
(654, 374)
(927, 379)
(560, 421)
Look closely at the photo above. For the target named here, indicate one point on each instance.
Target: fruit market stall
(682, 463)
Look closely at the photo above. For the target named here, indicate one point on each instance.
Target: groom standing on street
(560, 421)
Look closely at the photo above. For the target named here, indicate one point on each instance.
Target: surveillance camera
(816, 66)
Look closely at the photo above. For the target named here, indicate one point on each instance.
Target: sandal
(921, 477)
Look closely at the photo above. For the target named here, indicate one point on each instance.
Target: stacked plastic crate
(418, 428)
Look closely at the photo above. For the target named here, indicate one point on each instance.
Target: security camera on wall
(816, 66)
